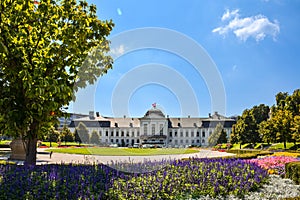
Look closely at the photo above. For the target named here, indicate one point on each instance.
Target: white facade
(154, 128)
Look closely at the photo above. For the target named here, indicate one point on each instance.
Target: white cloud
(229, 14)
(118, 51)
(257, 26)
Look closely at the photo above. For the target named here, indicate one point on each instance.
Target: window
(176, 141)
(198, 134)
(192, 134)
(187, 141)
(181, 141)
(127, 141)
(100, 133)
(170, 133)
(112, 140)
(181, 134)
(198, 141)
(138, 133)
(186, 134)
(111, 133)
(203, 134)
(122, 134)
(161, 129)
(145, 129)
(117, 133)
(193, 141)
(175, 133)
(106, 133)
(153, 129)
(203, 141)
(127, 134)
(117, 140)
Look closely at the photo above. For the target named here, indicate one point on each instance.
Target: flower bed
(274, 164)
(177, 179)
(295, 155)
(191, 179)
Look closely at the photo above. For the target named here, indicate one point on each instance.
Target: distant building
(154, 128)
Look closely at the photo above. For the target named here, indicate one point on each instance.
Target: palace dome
(154, 113)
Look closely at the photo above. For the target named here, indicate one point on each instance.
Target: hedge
(292, 171)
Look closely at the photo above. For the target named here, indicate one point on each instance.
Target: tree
(295, 128)
(266, 131)
(281, 124)
(53, 136)
(223, 137)
(214, 137)
(48, 50)
(77, 137)
(83, 133)
(246, 130)
(95, 139)
(67, 135)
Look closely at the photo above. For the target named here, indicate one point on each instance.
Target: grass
(122, 151)
(5, 141)
(281, 146)
(237, 146)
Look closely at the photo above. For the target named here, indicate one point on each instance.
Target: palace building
(154, 128)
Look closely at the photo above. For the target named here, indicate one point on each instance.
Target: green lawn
(122, 151)
(5, 141)
(281, 145)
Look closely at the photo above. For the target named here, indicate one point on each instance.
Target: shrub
(246, 156)
(293, 171)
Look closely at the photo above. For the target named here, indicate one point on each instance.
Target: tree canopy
(247, 126)
(280, 123)
(214, 138)
(283, 125)
(48, 49)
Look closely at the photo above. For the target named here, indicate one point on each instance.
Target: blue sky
(253, 44)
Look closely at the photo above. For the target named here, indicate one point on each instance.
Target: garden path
(75, 158)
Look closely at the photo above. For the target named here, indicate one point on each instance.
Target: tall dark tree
(48, 49)
(223, 137)
(95, 139)
(214, 137)
(67, 135)
(83, 133)
(77, 137)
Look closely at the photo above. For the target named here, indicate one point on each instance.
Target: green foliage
(292, 170)
(66, 134)
(246, 130)
(215, 136)
(95, 138)
(83, 133)
(223, 138)
(295, 128)
(284, 124)
(48, 51)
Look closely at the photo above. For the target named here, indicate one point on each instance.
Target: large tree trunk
(284, 144)
(31, 146)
